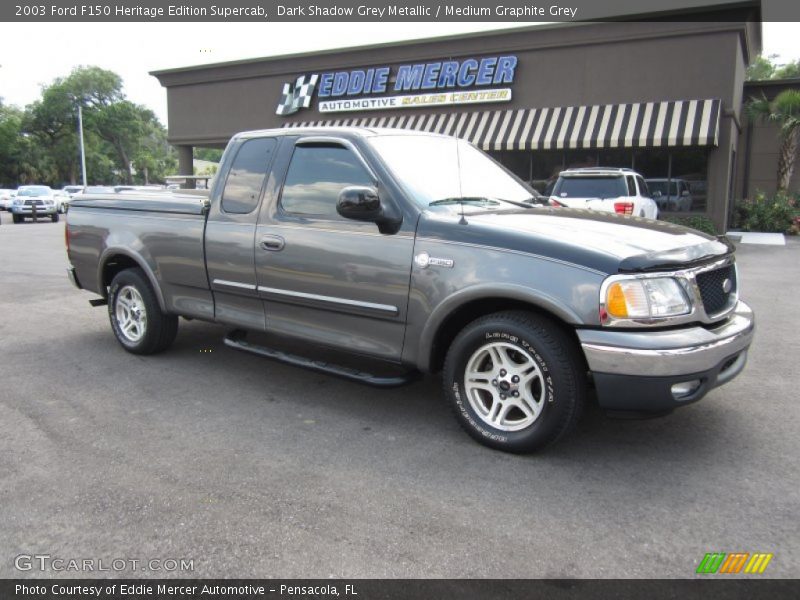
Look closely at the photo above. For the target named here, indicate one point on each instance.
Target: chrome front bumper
(651, 372)
(671, 352)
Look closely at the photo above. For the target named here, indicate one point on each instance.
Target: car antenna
(461, 221)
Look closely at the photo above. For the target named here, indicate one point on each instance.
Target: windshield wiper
(479, 200)
(459, 200)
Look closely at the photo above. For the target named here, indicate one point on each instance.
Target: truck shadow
(418, 412)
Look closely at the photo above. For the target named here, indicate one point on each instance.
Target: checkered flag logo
(297, 96)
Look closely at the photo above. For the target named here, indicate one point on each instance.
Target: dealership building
(662, 97)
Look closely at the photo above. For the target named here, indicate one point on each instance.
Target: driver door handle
(273, 243)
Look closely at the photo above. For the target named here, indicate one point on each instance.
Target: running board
(98, 302)
(237, 339)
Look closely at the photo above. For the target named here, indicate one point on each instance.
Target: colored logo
(297, 96)
(449, 82)
(734, 563)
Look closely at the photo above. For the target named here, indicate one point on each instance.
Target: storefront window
(615, 158)
(691, 165)
(545, 167)
(677, 178)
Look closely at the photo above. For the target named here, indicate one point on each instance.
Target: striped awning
(636, 125)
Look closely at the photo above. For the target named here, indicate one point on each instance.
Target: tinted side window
(643, 187)
(243, 185)
(315, 177)
(631, 186)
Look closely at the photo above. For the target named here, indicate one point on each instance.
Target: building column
(186, 164)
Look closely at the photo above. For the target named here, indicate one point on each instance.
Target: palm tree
(784, 110)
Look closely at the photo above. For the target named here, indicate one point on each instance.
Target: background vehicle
(418, 252)
(671, 194)
(34, 201)
(98, 189)
(62, 199)
(6, 197)
(71, 190)
(622, 191)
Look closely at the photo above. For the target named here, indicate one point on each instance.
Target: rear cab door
(231, 229)
(322, 278)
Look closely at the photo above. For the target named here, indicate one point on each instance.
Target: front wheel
(54, 217)
(136, 318)
(515, 381)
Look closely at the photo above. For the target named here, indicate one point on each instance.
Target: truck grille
(32, 202)
(712, 288)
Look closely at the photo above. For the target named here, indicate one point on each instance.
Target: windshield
(444, 170)
(590, 187)
(661, 187)
(34, 191)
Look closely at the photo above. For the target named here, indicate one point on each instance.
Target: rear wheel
(54, 217)
(136, 318)
(515, 380)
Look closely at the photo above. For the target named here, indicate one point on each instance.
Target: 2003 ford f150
(421, 251)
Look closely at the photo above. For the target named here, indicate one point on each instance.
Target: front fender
(486, 291)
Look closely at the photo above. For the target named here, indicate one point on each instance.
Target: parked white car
(622, 191)
(6, 197)
(34, 200)
(71, 190)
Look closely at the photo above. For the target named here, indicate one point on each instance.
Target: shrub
(698, 222)
(777, 214)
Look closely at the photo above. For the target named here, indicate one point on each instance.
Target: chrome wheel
(504, 386)
(130, 313)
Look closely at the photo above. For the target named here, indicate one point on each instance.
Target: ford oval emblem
(727, 286)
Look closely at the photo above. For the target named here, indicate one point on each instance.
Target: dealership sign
(442, 83)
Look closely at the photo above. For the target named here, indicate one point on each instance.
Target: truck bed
(161, 232)
(160, 202)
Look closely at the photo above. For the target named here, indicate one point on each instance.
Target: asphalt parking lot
(256, 469)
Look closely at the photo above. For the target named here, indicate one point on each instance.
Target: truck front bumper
(656, 371)
(27, 211)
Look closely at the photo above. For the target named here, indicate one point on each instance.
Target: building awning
(636, 125)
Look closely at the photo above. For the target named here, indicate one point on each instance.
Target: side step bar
(237, 339)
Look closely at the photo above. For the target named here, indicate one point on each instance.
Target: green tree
(123, 125)
(762, 67)
(211, 154)
(155, 158)
(783, 110)
(53, 120)
(767, 67)
(790, 70)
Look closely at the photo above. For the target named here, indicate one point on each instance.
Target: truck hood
(605, 242)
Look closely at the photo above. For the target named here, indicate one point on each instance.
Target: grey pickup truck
(420, 252)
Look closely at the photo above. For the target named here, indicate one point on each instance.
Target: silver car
(33, 202)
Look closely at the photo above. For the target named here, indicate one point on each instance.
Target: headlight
(17, 202)
(645, 298)
(49, 202)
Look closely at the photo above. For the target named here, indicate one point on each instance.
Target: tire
(136, 318)
(54, 217)
(18, 219)
(550, 381)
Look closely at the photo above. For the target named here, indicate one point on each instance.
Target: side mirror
(362, 203)
(685, 193)
(656, 194)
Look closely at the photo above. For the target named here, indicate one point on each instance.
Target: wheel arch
(115, 260)
(452, 315)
